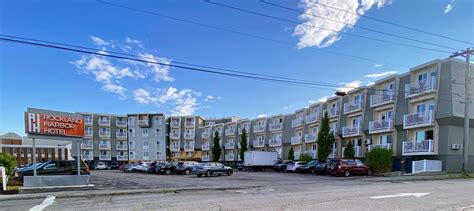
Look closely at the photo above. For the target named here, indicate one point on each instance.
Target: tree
(379, 160)
(325, 138)
(243, 144)
(216, 148)
(291, 154)
(9, 162)
(305, 157)
(349, 150)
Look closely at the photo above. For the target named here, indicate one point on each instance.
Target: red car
(348, 167)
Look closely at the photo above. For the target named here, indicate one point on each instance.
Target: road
(266, 191)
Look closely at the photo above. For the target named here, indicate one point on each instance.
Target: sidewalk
(418, 177)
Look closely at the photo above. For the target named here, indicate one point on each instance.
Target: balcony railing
(276, 126)
(229, 132)
(174, 135)
(381, 98)
(189, 124)
(420, 87)
(121, 123)
(206, 158)
(205, 147)
(259, 128)
(189, 146)
(310, 118)
(297, 122)
(87, 157)
(188, 135)
(104, 157)
(418, 120)
(229, 145)
(259, 143)
(333, 112)
(86, 145)
(229, 157)
(357, 151)
(88, 121)
(104, 122)
(352, 107)
(121, 134)
(104, 133)
(333, 128)
(105, 146)
(174, 148)
(380, 126)
(143, 122)
(88, 133)
(310, 138)
(174, 124)
(206, 134)
(383, 146)
(275, 142)
(295, 140)
(425, 147)
(121, 147)
(247, 130)
(122, 157)
(349, 131)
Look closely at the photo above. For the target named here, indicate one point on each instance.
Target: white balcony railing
(189, 124)
(247, 130)
(174, 124)
(104, 122)
(105, 146)
(357, 151)
(333, 112)
(122, 157)
(380, 126)
(88, 133)
(230, 132)
(206, 158)
(87, 145)
(229, 145)
(174, 148)
(425, 147)
(121, 147)
(297, 122)
(310, 138)
(174, 135)
(205, 147)
(88, 120)
(276, 126)
(189, 135)
(259, 128)
(121, 123)
(104, 157)
(420, 87)
(87, 157)
(206, 134)
(381, 98)
(229, 157)
(418, 120)
(352, 107)
(259, 143)
(349, 131)
(383, 146)
(104, 133)
(275, 142)
(310, 118)
(295, 140)
(121, 134)
(189, 146)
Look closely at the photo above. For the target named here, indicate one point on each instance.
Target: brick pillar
(39, 154)
(25, 155)
(46, 154)
(18, 157)
(65, 154)
(53, 155)
(59, 154)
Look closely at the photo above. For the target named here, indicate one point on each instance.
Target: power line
(322, 28)
(355, 26)
(391, 23)
(245, 34)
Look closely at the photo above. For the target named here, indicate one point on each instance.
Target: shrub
(291, 154)
(379, 160)
(349, 150)
(305, 157)
(9, 162)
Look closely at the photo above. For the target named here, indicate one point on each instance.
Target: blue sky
(58, 80)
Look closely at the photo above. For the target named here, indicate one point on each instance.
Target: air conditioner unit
(368, 141)
(456, 146)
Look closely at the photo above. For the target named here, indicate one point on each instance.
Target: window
(429, 134)
(132, 121)
(420, 109)
(158, 143)
(145, 132)
(158, 120)
(158, 132)
(145, 154)
(420, 135)
(131, 132)
(145, 143)
(314, 147)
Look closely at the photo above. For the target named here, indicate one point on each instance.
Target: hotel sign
(51, 123)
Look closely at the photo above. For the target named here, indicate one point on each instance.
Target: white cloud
(98, 41)
(449, 7)
(133, 41)
(160, 72)
(261, 115)
(211, 98)
(379, 75)
(311, 32)
(348, 86)
(184, 101)
(143, 96)
(378, 65)
(115, 88)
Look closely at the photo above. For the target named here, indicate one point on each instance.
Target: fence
(426, 166)
(4, 178)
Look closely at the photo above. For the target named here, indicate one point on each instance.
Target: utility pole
(467, 81)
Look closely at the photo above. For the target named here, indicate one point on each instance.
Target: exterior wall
(154, 144)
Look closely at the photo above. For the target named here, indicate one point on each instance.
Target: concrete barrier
(55, 180)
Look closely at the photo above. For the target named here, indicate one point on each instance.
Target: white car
(101, 166)
(293, 166)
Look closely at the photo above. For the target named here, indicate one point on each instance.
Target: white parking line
(46, 202)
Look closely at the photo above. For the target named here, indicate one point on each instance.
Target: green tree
(305, 157)
(9, 162)
(291, 154)
(243, 144)
(349, 150)
(216, 148)
(379, 160)
(325, 138)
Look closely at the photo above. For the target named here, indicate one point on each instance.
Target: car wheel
(208, 173)
(134, 170)
(369, 172)
(313, 171)
(168, 172)
(347, 173)
(228, 172)
(186, 172)
(199, 175)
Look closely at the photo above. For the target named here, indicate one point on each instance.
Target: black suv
(55, 167)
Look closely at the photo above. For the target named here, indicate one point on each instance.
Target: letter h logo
(33, 123)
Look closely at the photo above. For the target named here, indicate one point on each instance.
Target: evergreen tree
(291, 154)
(243, 144)
(325, 138)
(349, 150)
(216, 148)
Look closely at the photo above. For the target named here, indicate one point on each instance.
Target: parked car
(281, 166)
(212, 168)
(239, 165)
(133, 167)
(293, 166)
(142, 167)
(56, 167)
(114, 165)
(167, 168)
(316, 167)
(151, 168)
(348, 167)
(185, 168)
(101, 166)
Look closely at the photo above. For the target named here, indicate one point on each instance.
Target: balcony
(88, 145)
(87, 157)
(189, 146)
(420, 87)
(189, 135)
(297, 122)
(357, 151)
(174, 124)
(206, 158)
(104, 122)
(425, 147)
(105, 146)
(247, 130)
(383, 146)
(274, 142)
(121, 123)
(381, 98)
(229, 157)
(418, 120)
(295, 140)
(258, 128)
(310, 138)
(122, 157)
(380, 126)
(88, 133)
(88, 120)
(206, 134)
(230, 132)
(258, 143)
(350, 131)
(312, 118)
(229, 145)
(121, 134)
(205, 147)
(104, 157)
(174, 135)
(276, 126)
(333, 128)
(189, 124)
(143, 122)
(104, 134)
(352, 107)
(121, 147)
(333, 112)
(174, 148)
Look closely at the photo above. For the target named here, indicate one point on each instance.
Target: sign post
(4, 178)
